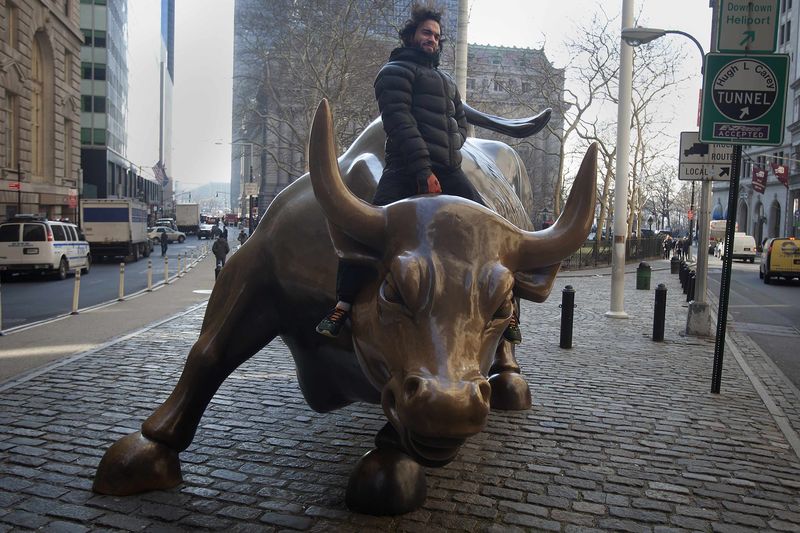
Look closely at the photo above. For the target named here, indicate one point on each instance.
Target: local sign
(748, 26)
(744, 99)
(703, 161)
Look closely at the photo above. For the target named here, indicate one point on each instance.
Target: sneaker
(331, 325)
(512, 333)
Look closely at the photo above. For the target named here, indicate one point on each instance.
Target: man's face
(427, 36)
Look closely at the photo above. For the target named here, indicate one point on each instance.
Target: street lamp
(699, 320)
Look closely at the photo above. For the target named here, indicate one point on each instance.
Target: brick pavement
(623, 435)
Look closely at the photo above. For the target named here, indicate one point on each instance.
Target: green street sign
(747, 26)
(744, 99)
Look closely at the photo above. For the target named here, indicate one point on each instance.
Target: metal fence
(598, 253)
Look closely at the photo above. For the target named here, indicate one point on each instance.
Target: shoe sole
(326, 333)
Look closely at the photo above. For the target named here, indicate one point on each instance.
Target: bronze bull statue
(426, 336)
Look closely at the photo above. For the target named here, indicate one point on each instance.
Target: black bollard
(674, 265)
(567, 314)
(684, 273)
(690, 286)
(660, 312)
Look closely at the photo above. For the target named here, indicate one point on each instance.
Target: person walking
(242, 237)
(164, 244)
(426, 126)
(220, 250)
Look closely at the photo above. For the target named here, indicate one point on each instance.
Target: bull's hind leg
(510, 391)
(235, 327)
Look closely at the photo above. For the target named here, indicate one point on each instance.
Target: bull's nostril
(411, 387)
(485, 390)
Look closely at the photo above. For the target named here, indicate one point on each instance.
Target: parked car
(31, 243)
(205, 231)
(157, 233)
(780, 259)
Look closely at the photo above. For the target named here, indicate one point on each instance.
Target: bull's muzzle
(434, 416)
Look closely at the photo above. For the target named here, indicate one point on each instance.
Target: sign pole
(19, 189)
(725, 279)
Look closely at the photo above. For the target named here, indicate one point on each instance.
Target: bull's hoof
(510, 392)
(386, 482)
(136, 464)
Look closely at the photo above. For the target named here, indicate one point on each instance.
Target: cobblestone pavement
(624, 435)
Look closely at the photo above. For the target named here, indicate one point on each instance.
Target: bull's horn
(360, 220)
(554, 244)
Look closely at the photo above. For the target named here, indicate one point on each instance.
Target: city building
(107, 173)
(39, 107)
(269, 150)
(769, 189)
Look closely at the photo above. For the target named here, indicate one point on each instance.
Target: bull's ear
(361, 178)
(535, 285)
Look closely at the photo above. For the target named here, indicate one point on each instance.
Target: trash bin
(674, 265)
(643, 276)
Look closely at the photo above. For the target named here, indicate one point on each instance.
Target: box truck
(115, 228)
(188, 218)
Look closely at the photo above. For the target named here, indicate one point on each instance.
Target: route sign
(744, 99)
(703, 161)
(748, 26)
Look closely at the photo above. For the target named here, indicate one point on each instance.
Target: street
(31, 298)
(768, 314)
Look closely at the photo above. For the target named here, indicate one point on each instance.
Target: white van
(744, 247)
(31, 243)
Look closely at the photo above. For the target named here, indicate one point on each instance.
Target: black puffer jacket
(422, 114)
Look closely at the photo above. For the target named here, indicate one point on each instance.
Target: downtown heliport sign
(744, 99)
(747, 26)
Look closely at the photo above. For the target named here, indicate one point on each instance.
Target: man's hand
(434, 187)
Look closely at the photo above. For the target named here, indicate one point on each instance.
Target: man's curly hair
(420, 14)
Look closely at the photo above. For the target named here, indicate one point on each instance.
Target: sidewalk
(624, 435)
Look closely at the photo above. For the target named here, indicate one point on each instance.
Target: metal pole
(691, 226)
(166, 271)
(621, 177)
(76, 292)
(121, 282)
(567, 316)
(725, 278)
(1, 311)
(19, 188)
(149, 275)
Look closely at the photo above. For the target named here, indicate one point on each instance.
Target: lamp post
(698, 321)
(621, 173)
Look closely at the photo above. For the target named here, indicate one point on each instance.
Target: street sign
(251, 189)
(748, 26)
(14, 185)
(744, 99)
(702, 161)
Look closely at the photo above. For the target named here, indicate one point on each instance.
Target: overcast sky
(204, 51)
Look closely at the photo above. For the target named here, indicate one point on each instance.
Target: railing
(598, 253)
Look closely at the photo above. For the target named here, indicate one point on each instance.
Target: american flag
(161, 175)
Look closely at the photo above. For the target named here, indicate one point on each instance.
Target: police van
(32, 243)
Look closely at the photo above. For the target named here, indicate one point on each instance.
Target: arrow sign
(725, 171)
(15, 185)
(748, 26)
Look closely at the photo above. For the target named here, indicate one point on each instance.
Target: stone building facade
(40, 107)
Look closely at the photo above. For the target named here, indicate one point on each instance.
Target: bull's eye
(389, 291)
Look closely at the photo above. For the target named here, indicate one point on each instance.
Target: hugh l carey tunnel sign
(744, 99)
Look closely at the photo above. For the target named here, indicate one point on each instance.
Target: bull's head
(427, 331)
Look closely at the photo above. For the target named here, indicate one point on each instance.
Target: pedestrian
(164, 244)
(242, 237)
(426, 127)
(667, 244)
(220, 250)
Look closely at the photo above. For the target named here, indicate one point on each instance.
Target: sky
(204, 54)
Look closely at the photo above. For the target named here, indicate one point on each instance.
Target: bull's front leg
(510, 391)
(386, 481)
(234, 329)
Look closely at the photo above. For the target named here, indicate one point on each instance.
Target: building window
(86, 135)
(99, 136)
(99, 38)
(497, 87)
(86, 103)
(99, 104)
(12, 24)
(99, 72)
(788, 30)
(87, 37)
(780, 35)
(68, 127)
(86, 71)
(37, 111)
(12, 129)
